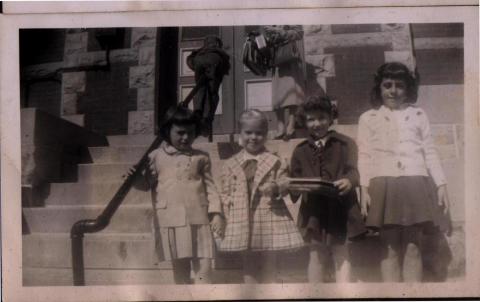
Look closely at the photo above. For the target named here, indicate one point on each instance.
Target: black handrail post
(95, 225)
(77, 259)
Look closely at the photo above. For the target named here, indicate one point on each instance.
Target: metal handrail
(81, 227)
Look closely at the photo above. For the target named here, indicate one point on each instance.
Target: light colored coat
(185, 192)
(397, 143)
(258, 222)
(289, 80)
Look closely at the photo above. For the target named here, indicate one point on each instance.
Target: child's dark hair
(179, 116)
(314, 103)
(394, 71)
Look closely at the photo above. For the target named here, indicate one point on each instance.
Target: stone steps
(133, 153)
(46, 276)
(104, 251)
(124, 252)
(63, 277)
(101, 251)
(147, 139)
(59, 219)
(92, 194)
(99, 173)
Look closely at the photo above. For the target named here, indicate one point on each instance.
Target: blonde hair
(253, 114)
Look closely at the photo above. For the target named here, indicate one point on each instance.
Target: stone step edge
(92, 236)
(140, 206)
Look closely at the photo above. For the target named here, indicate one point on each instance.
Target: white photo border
(11, 158)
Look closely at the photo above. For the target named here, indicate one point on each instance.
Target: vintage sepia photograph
(215, 154)
(94, 99)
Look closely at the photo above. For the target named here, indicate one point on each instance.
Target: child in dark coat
(327, 223)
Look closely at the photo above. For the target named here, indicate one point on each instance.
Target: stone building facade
(65, 72)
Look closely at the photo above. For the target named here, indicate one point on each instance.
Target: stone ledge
(77, 119)
(316, 44)
(438, 43)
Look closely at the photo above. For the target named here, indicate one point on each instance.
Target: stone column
(73, 83)
(142, 77)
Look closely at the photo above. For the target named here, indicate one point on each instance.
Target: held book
(313, 185)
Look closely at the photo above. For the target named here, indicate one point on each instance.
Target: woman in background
(288, 80)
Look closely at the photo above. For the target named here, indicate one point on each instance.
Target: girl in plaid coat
(258, 223)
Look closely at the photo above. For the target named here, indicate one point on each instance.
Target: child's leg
(280, 114)
(291, 120)
(203, 270)
(390, 263)
(342, 263)
(250, 268)
(268, 267)
(259, 267)
(412, 261)
(316, 263)
(181, 270)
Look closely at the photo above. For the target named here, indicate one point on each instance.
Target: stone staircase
(124, 252)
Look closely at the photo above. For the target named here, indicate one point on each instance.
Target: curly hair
(179, 116)
(314, 103)
(395, 71)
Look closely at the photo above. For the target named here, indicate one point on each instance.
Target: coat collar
(266, 161)
(332, 136)
(171, 150)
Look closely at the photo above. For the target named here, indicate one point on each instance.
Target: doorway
(240, 89)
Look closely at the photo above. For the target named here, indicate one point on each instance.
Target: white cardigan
(397, 143)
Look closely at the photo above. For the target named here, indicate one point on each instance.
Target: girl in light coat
(397, 164)
(258, 223)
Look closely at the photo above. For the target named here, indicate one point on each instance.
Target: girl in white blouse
(397, 163)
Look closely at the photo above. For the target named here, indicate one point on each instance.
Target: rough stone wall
(115, 101)
(128, 106)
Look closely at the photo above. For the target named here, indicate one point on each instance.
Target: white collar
(248, 156)
(323, 140)
(171, 150)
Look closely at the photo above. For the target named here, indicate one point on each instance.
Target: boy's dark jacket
(337, 160)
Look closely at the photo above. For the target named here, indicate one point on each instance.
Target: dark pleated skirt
(404, 201)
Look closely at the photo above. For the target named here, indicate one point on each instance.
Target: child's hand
(343, 185)
(270, 189)
(217, 224)
(443, 200)
(365, 201)
(130, 172)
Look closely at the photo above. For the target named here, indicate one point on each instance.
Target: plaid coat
(256, 223)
